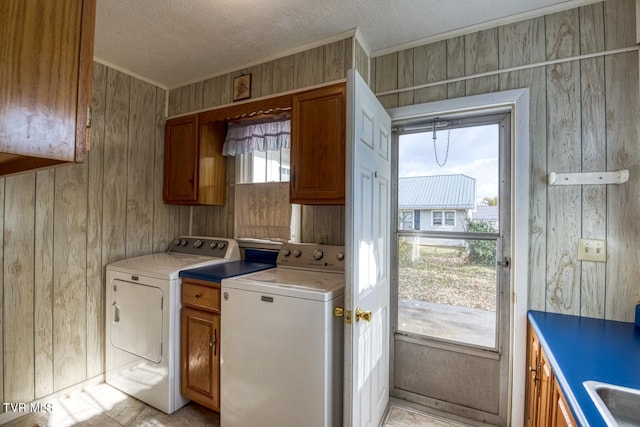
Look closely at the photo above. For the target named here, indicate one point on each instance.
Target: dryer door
(136, 319)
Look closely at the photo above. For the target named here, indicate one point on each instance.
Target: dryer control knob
(197, 243)
(318, 254)
(297, 253)
(340, 256)
(286, 252)
(212, 245)
(183, 243)
(220, 245)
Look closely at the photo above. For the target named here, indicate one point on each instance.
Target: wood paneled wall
(584, 117)
(315, 66)
(59, 228)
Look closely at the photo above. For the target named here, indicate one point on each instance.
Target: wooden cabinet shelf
(46, 73)
(200, 342)
(546, 405)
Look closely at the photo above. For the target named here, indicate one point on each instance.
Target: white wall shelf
(589, 178)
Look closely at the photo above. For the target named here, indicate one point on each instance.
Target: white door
(136, 319)
(367, 246)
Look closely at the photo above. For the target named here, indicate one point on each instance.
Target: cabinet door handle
(215, 342)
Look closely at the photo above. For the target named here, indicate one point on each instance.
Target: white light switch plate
(592, 250)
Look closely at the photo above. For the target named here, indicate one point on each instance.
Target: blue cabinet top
(581, 349)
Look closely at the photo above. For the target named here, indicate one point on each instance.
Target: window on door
(449, 172)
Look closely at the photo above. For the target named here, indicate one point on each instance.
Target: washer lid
(290, 282)
(162, 265)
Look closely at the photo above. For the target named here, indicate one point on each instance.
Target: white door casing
(367, 246)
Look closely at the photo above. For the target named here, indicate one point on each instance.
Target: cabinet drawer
(201, 295)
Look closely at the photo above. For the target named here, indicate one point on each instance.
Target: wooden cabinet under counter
(200, 342)
(46, 73)
(546, 405)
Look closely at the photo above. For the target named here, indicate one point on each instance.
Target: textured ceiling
(174, 41)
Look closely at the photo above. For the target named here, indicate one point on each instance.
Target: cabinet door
(200, 357)
(561, 415)
(533, 361)
(46, 63)
(546, 390)
(181, 160)
(318, 146)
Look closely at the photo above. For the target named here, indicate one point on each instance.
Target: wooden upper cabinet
(46, 72)
(194, 168)
(318, 130)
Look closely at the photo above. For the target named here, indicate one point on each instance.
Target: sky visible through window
(473, 151)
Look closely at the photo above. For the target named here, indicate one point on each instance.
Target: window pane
(259, 172)
(450, 218)
(437, 218)
(447, 289)
(273, 166)
(406, 220)
(285, 165)
(266, 166)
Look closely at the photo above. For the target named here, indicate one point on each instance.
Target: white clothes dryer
(143, 318)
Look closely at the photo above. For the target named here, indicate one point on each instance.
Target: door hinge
(89, 116)
(506, 262)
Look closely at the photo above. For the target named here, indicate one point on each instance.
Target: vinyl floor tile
(104, 406)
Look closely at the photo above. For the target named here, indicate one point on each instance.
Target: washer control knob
(286, 252)
(220, 245)
(197, 243)
(318, 254)
(177, 242)
(340, 256)
(297, 253)
(183, 242)
(212, 245)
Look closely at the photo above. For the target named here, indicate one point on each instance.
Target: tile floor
(102, 405)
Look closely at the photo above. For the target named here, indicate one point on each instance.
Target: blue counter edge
(561, 335)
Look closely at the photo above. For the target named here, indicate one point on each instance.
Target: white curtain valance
(243, 138)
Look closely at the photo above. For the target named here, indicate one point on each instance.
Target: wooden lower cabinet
(200, 342)
(561, 415)
(546, 405)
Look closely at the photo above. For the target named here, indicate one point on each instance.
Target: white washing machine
(142, 343)
(281, 346)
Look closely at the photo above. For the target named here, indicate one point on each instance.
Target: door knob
(364, 315)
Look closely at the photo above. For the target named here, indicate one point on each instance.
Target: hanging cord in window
(435, 148)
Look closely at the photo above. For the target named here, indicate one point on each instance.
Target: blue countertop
(581, 349)
(217, 272)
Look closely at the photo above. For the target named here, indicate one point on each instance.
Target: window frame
(443, 218)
